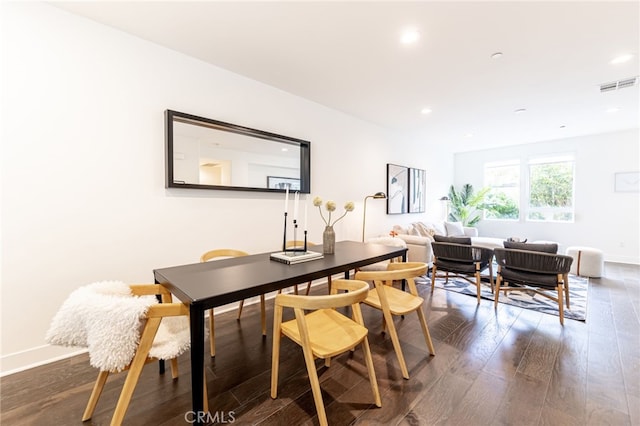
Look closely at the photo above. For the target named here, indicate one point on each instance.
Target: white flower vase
(328, 240)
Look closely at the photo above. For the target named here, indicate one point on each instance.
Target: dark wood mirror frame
(234, 134)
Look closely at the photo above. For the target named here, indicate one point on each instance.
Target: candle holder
(294, 249)
(293, 255)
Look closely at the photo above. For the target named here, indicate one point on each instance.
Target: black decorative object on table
(293, 255)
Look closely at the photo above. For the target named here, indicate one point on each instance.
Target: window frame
(506, 163)
(524, 185)
(549, 159)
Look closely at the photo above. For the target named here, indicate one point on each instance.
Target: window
(545, 192)
(503, 200)
(550, 189)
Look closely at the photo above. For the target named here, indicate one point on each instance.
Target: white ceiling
(347, 56)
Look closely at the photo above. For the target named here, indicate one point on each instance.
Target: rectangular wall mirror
(210, 154)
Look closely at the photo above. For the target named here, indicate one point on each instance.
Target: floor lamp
(378, 196)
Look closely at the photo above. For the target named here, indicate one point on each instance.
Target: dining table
(207, 285)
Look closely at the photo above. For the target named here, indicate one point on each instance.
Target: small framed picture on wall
(397, 189)
(627, 182)
(417, 190)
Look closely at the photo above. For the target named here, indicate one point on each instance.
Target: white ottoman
(587, 261)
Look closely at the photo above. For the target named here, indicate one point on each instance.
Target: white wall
(83, 195)
(604, 219)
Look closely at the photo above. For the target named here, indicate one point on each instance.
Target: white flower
(330, 205)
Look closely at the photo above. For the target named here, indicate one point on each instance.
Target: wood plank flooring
(510, 367)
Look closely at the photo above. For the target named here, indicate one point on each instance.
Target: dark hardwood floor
(511, 367)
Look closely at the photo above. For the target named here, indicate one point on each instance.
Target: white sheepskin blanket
(107, 319)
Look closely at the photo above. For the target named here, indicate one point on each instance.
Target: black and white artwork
(397, 189)
(417, 190)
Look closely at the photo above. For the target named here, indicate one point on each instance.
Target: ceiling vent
(620, 84)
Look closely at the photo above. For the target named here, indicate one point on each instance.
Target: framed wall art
(417, 190)
(627, 182)
(397, 189)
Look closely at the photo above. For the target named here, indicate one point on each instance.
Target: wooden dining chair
(110, 318)
(323, 333)
(222, 254)
(393, 301)
(300, 244)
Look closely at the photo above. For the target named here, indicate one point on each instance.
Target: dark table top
(216, 283)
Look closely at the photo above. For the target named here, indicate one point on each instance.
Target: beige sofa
(419, 235)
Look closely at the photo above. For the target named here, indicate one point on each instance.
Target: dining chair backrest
(396, 271)
(225, 252)
(357, 292)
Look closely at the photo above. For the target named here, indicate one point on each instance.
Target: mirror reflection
(205, 153)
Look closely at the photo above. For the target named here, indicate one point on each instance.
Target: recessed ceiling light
(612, 110)
(425, 111)
(496, 55)
(468, 135)
(409, 36)
(621, 59)
(520, 110)
(285, 149)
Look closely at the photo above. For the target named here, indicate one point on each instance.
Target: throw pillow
(439, 228)
(454, 229)
(424, 230)
(417, 230)
(455, 240)
(544, 248)
(400, 230)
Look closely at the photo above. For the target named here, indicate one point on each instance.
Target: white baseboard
(622, 259)
(35, 357)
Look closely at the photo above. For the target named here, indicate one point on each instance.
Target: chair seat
(515, 276)
(400, 302)
(325, 342)
(172, 339)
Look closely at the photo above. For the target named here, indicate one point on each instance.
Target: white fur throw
(107, 319)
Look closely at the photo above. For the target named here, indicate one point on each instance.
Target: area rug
(578, 293)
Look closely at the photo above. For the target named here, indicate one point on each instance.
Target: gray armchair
(526, 270)
(463, 260)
